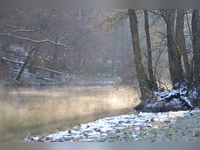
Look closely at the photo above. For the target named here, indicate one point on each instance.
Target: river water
(39, 111)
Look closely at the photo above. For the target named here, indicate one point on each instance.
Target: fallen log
(173, 100)
(46, 79)
(11, 55)
(12, 61)
(4, 59)
(50, 70)
(18, 71)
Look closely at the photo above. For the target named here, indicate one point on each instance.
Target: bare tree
(24, 65)
(174, 55)
(152, 78)
(196, 45)
(140, 70)
(34, 27)
(180, 39)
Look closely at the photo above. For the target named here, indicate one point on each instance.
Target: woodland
(156, 51)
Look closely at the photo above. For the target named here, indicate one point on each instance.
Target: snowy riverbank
(169, 126)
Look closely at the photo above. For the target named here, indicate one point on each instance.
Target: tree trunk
(174, 55)
(34, 59)
(196, 45)
(55, 60)
(180, 39)
(113, 63)
(152, 78)
(25, 64)
(140, 71)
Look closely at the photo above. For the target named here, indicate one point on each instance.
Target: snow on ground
(176, 96)
(119, 127)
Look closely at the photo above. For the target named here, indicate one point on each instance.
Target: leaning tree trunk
(152, 78)
(25, 64)
(140, 71)
(196, 46)
(174, 55)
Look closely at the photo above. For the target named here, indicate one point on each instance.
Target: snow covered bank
(119, 128)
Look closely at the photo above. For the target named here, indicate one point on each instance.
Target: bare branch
(34, 41)
(50, 70)
(37, 41)
(23, 30)
(12, 26)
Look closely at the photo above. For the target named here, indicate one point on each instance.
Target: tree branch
(32, 40)
(23, 30)
(11, 26)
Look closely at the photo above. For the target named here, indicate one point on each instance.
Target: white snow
(18, 48)
(186, 100)
(99, 129)
(193, 94)
(181, 95)
(166, 94)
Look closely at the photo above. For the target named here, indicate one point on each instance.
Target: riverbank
(181, 126)
(34, 81)
(7, 79)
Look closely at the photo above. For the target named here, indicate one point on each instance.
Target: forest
(156, 51)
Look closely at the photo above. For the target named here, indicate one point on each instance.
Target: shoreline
(143, 127)
(74, 81)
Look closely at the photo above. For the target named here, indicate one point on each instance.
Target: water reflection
(45, 111)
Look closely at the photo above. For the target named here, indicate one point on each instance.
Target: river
(43, 111)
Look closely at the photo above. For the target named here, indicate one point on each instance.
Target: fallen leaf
(47, 138)
(167, 121)
(118, 136)
(197, 134)
(85, 135)
(128, 122)
(152, 120)
(60, 140)
(97, 130)
(118, 131)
